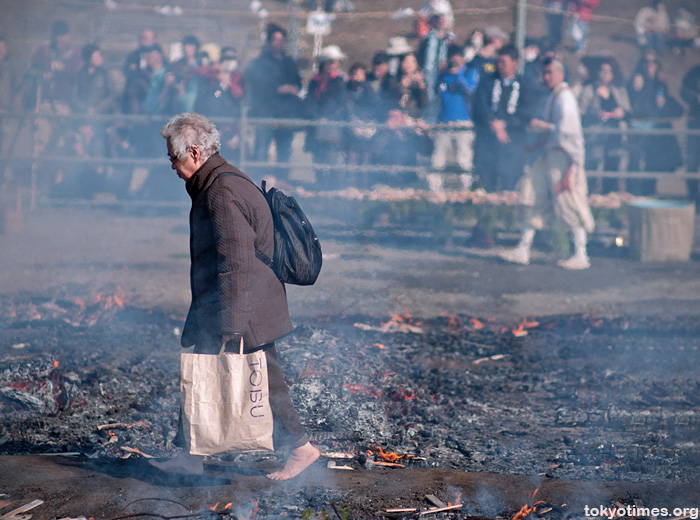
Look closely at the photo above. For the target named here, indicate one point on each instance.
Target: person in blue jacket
(455, 88)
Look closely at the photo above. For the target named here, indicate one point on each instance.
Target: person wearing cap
(397, 49)
(327, 100)
(274, 83)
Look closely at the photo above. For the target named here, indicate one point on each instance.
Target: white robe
(543, 193)
(562, 111)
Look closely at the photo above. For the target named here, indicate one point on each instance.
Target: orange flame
(475, 324)
(520, 330)
(524, 511)
(254, 508)
(55, 363)
(454, 323)
(389, 457)
(397, 318)
(213, 508)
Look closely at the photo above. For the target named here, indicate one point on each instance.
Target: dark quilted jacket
(233, 292)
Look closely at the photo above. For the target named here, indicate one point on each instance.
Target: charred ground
(465, 366)
(572, 396)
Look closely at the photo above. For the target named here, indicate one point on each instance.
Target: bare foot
(182, 464)
(300, 459)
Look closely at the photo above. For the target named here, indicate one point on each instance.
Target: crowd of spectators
(431, 99)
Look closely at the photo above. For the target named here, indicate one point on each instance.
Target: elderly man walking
(236, 298)
(558, 184)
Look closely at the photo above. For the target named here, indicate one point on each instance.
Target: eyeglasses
(176, 158)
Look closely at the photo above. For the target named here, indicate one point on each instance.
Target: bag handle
(240, 348)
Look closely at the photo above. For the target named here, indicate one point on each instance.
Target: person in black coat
(327, 100)
(501, 114)
(274, 83)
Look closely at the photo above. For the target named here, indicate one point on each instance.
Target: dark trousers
(287, 427)
(554, 24)
(283, 137)
(499, 166)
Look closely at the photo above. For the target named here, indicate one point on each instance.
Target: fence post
(519, 24)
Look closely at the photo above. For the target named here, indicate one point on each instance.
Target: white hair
(190, 129)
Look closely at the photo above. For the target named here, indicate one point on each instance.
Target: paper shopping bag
(225, 403)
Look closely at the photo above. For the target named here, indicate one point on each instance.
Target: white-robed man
(558, 185)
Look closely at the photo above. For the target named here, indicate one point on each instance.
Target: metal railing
(27, 123)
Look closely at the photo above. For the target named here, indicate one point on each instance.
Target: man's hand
(618, 113)
(498, 126)
(541, 126)
(564, 184)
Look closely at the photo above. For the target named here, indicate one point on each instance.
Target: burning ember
(461, 394)
(100, 307)
(397, 323)
(521, 331)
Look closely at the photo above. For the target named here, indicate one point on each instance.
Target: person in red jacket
(579, 23)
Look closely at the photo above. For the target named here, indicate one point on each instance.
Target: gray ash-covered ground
(573, 397)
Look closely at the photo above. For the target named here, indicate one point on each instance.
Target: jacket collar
(207, 173)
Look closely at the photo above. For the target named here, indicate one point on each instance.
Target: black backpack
(297, 258)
